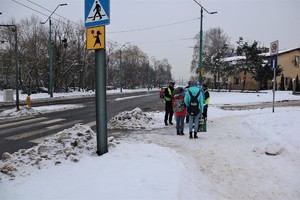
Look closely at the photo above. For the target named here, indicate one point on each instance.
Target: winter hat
(181, 90)
(194, 83)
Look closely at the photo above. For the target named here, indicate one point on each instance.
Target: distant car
(110, 87)
(162, 92)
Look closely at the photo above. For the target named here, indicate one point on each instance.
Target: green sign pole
(101, 118)
(50, 61)
(200, 47)
(121, 74)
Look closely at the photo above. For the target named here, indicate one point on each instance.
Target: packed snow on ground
(31, 111)
(72, 94)
(246, 154)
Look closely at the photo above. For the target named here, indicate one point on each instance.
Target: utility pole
(200, 67)
(51, 52)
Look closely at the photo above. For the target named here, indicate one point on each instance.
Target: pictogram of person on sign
(97, 41)
(98, 10)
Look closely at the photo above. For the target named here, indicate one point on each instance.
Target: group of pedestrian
(188, 103)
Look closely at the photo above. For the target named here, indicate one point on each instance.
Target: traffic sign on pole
(96, 13)
(95, 38)
(274, 48)
(274, 59)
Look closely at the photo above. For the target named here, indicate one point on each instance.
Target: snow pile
(68, 145)
(24, 111)
(135, 119)
(32, 111)
(278, 130)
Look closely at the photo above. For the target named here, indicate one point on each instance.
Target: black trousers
(205, 111)
(169, 111)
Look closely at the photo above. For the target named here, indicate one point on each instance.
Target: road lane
(26, 132)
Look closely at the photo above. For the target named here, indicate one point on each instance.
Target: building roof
(237, 58)
(281, 51)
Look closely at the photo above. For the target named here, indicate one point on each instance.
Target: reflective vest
(170, 93)
(208, 98)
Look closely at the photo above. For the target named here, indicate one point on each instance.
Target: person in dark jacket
(168, 103)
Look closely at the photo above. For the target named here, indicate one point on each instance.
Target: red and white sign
(274, 48)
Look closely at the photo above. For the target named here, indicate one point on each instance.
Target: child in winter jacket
(179, 110)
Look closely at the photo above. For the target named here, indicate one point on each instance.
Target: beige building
(288, 61)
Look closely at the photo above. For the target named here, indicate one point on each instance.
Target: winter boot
(170, 123)
(178, 132)
(195, 134)
(182, 133)
(191, 135)
(166, 123)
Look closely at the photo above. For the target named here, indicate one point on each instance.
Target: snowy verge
(68, 145)
(32, 111)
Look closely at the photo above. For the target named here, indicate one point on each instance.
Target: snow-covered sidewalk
(246, 154)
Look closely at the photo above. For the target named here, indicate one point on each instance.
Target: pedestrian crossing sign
(97, 13)
(95, 38)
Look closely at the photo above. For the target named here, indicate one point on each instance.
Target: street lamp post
(121, 72)
(200, 69)
(50, 51)
(17, 67)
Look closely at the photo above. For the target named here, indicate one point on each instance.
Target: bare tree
(216, 46)
(33, 47)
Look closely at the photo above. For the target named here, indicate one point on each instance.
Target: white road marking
(22, 122)
(31, 133)
(91, 124)
(52, 121)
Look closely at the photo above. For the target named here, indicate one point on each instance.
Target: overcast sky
(174, 23)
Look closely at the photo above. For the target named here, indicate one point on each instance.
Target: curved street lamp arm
(204, 8)
(62, 4)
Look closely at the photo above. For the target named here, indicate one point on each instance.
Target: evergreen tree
(253, 62)
(297, 83)
(281, 87)
(216, 47)
(290, 86)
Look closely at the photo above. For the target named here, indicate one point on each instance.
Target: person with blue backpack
(195, 105)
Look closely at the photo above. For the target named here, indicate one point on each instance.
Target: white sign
(96, 13)
(274, 48)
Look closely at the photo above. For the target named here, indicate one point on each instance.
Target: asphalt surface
(25, 132)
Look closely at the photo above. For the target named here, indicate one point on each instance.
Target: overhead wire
(29, 8)
(112, 32)
(164, 41)
(153, 27)
(54, 13)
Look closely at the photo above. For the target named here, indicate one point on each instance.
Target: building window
(296, 61)
(236, 81)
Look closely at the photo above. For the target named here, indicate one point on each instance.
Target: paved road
(26, 132)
